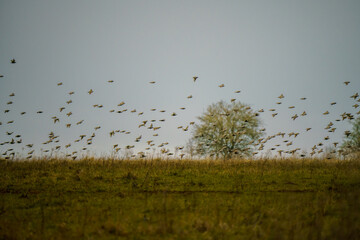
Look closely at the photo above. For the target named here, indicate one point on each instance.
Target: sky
(262, 48)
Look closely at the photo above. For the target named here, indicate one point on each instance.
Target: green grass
(180, 199)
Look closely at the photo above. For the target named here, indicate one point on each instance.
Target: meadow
(180, 199)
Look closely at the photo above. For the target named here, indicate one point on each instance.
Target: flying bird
(153, 82)
(355, 96)
(195, 77)
(221, 85)
(346, 83)
(13, 61)
(281, 96)
(294, 117)
(90, 91)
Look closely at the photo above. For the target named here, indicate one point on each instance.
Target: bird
(356, 95)
(303, 114)
(90, 91)
(153, 82)
(326, 113)
(60, 83)
(194, 78)
(333, 103)
(308, 129)
(221, 85)
(110, 81)
(304, 98)
(190, 96)
(346, 83)
(13, 61)
(71, 93)
(238, 91)
(12, 95)
(1, 76)
(294, 117)
(281, 96)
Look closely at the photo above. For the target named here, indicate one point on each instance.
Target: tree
(226, 130)
(351, 144)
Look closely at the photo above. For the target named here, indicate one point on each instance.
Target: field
(180, 199)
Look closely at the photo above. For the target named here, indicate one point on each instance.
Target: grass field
(180, 199)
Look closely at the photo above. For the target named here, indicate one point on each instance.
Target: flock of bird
(53, 145)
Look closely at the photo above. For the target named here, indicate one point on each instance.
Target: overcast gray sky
(263, 48)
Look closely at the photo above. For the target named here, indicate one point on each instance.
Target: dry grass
(180, 199)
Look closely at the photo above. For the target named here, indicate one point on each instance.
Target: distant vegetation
(180, 199)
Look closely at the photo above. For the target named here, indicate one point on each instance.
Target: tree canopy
(351, 144)
(226, 130)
